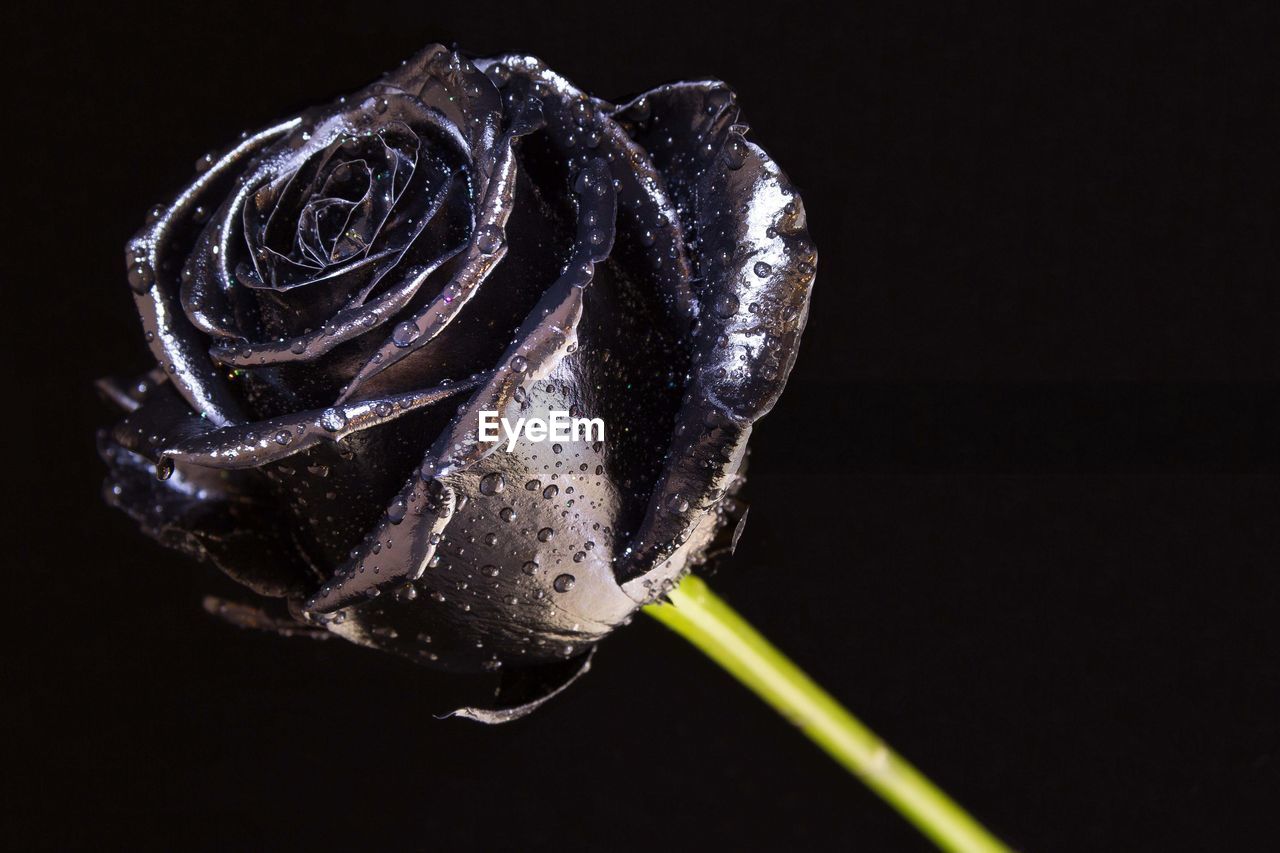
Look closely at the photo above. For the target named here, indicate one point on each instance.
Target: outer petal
(176, 344)
(523, 691)
(447, 81)
(437, 507)
(224, 518)
(757, 265)
(580, 129)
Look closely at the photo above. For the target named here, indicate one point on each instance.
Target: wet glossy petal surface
(334, 301)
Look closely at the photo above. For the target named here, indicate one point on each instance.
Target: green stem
(698, 615)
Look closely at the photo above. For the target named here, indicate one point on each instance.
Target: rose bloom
(334, 300)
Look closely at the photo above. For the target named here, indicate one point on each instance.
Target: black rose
(334, 300)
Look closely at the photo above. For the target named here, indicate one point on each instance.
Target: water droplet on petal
(396, 512)
(333, 419)
(405, 333)
(727, 305)
(492, 484)
(735, 153)
(489, 239)
(500, 74)
(141, 277)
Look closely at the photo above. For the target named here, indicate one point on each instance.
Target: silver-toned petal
(224, 518)
(520, 694)
(233, 260)
(487, 249)
(582, 128)
(256, 444)
(758, 266)
(550, 330)
(357, 318)
(176, 344)
(449, 82)
(423, 508)
(130, 395)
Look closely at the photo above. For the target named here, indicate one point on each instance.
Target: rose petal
(227, 519)
(487, 249)
(357, 317)
(580, 128)
(523, 691)
(176, 344)
(224, 281)
(757, 264)
(449, 82)
(256, 444)
(548, 331)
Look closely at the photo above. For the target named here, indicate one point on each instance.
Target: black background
(1018, 507)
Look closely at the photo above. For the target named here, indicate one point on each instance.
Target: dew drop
(735, 153)
(500, 74)
(405, 333)
(492, 484)
(727, 305)
(396, 512)
(141, 277)
(545, 534)
(564, 583)
(333, 419)
(489, 239)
